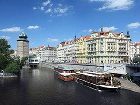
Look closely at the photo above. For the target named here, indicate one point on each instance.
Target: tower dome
(23, 35)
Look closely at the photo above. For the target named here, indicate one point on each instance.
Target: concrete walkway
(126, 84)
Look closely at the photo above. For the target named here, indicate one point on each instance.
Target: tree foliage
(13, 67)
(23, 61)
(5, 52)
(7, 63)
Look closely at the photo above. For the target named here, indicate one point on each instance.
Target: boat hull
(61, 77)
(96, 87)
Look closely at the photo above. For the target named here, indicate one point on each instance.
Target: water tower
(22, 46)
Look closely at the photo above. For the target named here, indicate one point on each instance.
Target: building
(48, 54)
(96, 48)
(108, 47)
(132, 51)
(137, 47)
(66, 51)
(23, 46)
(45, 54)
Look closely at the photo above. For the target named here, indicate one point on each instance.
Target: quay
(125, 84)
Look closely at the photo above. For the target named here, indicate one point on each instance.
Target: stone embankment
(75, 66)
(126, 84)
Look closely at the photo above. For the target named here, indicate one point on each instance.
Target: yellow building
(96, 48)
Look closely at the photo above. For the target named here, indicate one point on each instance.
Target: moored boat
(65, 73)
(99, 81)
(66, 76)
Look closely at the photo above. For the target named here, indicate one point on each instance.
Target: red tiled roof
(137, 43)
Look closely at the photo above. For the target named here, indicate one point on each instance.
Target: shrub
(13, 68)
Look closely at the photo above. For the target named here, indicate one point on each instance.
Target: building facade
(45, 54)
(132, 51)
(137, 48)
(108, 47)
(23, 46)
(96, 48)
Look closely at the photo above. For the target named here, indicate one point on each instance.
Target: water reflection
(40, 87)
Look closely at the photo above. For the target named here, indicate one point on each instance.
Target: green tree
(7, 63)
(13, 67)
(23, 61)
(4, 53)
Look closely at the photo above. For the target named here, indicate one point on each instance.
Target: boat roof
(66, 74)
(92, 74)
(65, 68)
(97, 73)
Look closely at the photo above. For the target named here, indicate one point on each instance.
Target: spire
(75, 38)
(102, 29)
(127, 32)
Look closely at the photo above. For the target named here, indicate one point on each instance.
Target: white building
(108, 47)
(45, 54)
(67, 51)
(132, 51)
(137, 46)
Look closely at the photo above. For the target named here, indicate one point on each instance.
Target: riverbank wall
(79, 67)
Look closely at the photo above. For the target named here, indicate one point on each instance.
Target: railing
(7, 75)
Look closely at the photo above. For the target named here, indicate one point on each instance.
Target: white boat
(99, 81)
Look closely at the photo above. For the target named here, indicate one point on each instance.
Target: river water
(41, 87)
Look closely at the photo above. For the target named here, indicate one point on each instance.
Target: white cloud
(52, 39)
(34, 8)
(106, 29)
(90, 30)
(48, 10)
(42, 8)
(87, 31)
(61, 10)
(33, 27)
(5, 37)
(115, 4)
(46, 3)
(11, 29)
(133, 25)
(67, 39)
(53, 9)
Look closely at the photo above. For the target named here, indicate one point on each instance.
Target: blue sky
(52, 21)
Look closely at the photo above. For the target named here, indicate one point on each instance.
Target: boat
(98, 81)
(64, 73)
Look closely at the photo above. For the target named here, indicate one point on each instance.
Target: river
(41, 87)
